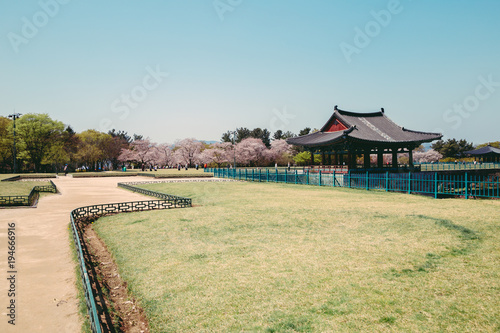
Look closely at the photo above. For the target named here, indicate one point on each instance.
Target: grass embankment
(276, 258)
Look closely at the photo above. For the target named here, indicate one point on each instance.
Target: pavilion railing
(451, 166)
(30, 199)
(78, 217)
(437, 184)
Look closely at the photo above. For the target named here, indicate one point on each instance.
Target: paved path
(46, 297)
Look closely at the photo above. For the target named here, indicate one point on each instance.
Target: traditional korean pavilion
(487, 153)
(349, 134)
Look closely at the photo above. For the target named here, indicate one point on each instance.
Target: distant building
(486, 154)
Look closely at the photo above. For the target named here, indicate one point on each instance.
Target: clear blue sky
(433, 65)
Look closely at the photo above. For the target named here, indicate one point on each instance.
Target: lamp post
(14, 116)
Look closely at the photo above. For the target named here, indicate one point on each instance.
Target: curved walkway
(46, 296)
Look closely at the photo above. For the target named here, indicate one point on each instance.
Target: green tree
(305, 131)
(92, 147)
(120, 140)
(278, 135)
(6, 144)
(303, 158)
(37, 134)
(288, 135)
(242, 133)
(452, 148)
(495, 144)
(263, 134)
(227, 137)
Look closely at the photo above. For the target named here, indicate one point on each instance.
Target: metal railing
(451, 166)
(437, 184)
(176, 200)
(27, 200)
(79, 215)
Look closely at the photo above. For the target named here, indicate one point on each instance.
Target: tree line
(47, 145)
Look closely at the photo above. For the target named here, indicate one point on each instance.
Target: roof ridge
(359, 114)
(420, 132)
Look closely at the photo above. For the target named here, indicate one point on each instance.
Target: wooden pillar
(366, 159)
(329, 160)
(410, 156)
(380, 159)
(312, 157)
(351, 160)
(336, 159)
(322, 157)
(394, 157)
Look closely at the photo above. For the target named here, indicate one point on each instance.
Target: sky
(170, 70)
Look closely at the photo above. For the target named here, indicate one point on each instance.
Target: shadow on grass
(466, 236)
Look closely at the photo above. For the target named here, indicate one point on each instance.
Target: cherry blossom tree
(187, 151)
(252, 152)
(140, 151)
(165, 154)
(429, 156)
(280, 152)
(217, 153)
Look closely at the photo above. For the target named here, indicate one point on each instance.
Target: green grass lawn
(19, 187)
(161, 173)
(27, 175)
(253, 257)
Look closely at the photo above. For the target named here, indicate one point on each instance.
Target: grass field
(161, 173)
(19, 187)
(286, 258)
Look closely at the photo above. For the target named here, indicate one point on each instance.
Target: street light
(14, 116)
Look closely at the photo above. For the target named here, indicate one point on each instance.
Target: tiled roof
(373, 128)
(488, 150)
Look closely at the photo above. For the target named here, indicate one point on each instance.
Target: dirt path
(46, 299)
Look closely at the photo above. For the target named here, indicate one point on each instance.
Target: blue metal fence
(437, 184)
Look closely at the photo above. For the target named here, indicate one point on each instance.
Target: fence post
(334, 178)
(246, 174)
(435, 185)
(466, 187)
(320, 177)
(349, 178)
(367, 182)
(409, 182)
(286, 176)
(307, 180)
(295, 176)
(387, 181)
(276, 175)
(267, 175)
(253, 175)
